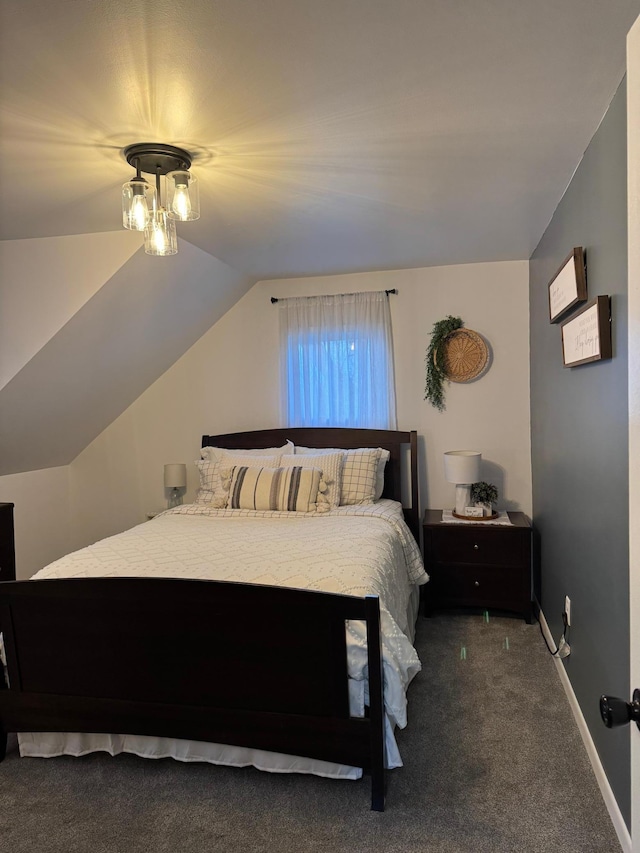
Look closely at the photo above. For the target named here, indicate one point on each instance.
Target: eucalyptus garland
(434, 390)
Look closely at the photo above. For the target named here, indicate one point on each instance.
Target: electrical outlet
(567, 610)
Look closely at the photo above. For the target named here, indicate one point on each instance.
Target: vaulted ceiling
(329, 135)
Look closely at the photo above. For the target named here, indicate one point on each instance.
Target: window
(337, 361)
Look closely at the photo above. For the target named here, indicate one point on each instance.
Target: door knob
(617, 712)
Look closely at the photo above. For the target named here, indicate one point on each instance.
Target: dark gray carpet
(493, 762)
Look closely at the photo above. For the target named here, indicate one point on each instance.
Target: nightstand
(7, 548)
(478, 565)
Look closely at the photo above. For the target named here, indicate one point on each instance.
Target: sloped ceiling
(111, 350)
(329, 135)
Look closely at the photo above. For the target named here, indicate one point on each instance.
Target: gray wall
(579, 434)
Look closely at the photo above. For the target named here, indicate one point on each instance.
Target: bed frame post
(5, 627)
(376, 703)
(414, 521)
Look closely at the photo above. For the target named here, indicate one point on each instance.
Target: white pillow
(331, 466)
(211, 487)
(213, 453)
(382, 461)
(210, 483)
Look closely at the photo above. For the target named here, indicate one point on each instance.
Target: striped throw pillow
(292, 489)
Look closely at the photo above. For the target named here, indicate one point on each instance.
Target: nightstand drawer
(462, 586)
(478, 546)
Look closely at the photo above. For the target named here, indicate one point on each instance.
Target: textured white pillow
(213, 453)
(382, 461)
(331, 466)
(210, 484)
(211, 487)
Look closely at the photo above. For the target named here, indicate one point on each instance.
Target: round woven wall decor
(465, 355)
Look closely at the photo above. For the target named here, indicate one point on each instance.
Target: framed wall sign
(587, 335)
(568, 287)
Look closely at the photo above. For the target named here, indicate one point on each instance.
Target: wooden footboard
(255, 666)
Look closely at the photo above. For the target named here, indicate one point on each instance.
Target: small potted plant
(484, 495)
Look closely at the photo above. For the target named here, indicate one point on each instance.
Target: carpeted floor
(493, 762)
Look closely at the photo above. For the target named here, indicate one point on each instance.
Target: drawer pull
(475, 547)
(477, 583)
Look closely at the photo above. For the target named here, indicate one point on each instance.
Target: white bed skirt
(52, 744)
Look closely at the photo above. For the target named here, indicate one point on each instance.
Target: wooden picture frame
(586, 336)
(568, 287)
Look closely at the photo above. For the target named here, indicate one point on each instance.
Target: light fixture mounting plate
(155, 158)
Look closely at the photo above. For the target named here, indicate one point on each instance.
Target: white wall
(226, 382)
(40, 290)
(229, 381)
(65, 374)
(490, 414)
(41, 517)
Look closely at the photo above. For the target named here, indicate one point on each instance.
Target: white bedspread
(355, 550)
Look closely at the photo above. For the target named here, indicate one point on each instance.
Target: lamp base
(463, 497)
(175, 498)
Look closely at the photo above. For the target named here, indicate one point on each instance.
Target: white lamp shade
(175, 475)
(462, 466)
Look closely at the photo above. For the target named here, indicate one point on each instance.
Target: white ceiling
(329, 135)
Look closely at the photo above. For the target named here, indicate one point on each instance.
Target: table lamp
(175, 478)
(462, 467)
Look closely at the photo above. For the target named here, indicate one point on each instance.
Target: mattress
(352, 550)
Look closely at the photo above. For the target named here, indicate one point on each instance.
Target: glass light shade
(138, 201)
(160, 236)
(183, 200)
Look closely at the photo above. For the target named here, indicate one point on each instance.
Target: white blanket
(351, 550)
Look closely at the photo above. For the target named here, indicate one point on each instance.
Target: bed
(231, 635)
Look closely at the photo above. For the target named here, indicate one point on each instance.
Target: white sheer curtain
(337, 361)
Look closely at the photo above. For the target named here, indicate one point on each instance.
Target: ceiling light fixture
(142, 208)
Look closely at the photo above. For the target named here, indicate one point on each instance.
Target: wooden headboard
(391, 440)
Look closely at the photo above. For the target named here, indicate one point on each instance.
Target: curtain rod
(275, 299)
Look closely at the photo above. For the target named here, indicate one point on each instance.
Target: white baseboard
(610, 801)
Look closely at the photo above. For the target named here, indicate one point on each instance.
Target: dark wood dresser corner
(7, 546)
